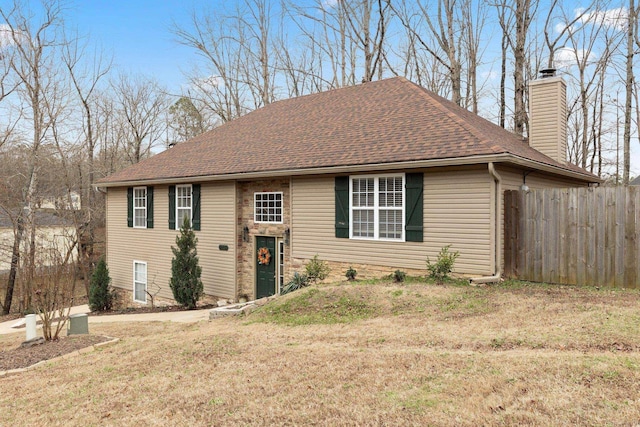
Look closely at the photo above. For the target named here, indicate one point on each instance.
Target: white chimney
(548, 115)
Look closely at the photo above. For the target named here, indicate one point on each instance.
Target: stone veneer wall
(247, 250)
(365, 271)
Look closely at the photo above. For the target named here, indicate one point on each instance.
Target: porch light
(245, 234)
(524, 187)
(287, 236)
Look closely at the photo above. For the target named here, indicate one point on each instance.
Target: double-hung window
(183, 204)
(140, 207)
(377, 206)
(267, 207)
(140, 281)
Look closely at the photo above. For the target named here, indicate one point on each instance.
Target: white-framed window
(140, 281)
(281, 264)
(183, 204)
(140, 207)
(377, 206)
(267, 207)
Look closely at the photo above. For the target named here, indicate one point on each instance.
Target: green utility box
(78, 324)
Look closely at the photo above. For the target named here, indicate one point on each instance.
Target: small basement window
(140, 282)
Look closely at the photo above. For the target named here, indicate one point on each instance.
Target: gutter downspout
(495, 210)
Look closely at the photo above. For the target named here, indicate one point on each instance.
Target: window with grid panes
(140, 281)
(140, 207)
(267, 207)
(377, 207)
(183, 204)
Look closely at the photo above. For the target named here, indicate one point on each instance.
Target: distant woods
(480, 55)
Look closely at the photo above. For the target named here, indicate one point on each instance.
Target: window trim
(146, 206)
(281, 214)
(190, 208)
(376, 207)
(146, 274)
(280, 245)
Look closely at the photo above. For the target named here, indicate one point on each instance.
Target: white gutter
(455, 161)
(496, 212)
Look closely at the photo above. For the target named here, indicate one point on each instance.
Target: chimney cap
(547, 72)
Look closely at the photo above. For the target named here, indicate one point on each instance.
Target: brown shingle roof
(387, 121)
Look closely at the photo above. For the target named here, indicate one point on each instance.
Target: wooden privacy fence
(581, 236)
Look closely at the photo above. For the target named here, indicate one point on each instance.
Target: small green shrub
(317, 269)
(101, 297)
(298, 281)
(398, 276)
(440, 270)
(186, 282)
(351, 274)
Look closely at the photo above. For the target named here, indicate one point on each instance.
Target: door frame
(275, 258)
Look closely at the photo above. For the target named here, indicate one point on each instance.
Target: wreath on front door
(264, 256)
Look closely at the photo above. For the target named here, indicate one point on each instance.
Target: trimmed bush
(317, 269)
(101, 296)
(351, 274)
(440, 270)
(399, 276)
(185, 282)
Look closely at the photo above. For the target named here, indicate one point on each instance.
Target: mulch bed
(23, 357)
(147, 309)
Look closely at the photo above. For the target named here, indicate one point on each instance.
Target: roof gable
(387, 121)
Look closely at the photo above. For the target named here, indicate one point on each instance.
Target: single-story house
(378, 176)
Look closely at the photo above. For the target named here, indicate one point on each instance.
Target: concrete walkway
(189, 316)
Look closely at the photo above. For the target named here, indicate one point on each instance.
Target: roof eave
(414, 164)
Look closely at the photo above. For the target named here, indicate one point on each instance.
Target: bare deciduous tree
(35, 63)
(142, 105)
(631, 39)
(85, 78)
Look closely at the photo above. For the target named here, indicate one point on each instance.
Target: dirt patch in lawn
(22, 357)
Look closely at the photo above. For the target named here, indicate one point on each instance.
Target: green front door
(266, 272)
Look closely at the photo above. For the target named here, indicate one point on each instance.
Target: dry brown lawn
(358, 354)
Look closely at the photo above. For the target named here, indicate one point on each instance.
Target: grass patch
(468, 302)
(316, 306)
(383, 354)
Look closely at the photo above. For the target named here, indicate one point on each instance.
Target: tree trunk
(626, 138)
(15, 261)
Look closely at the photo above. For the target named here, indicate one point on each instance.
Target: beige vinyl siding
(153, 246)
(456, 212)
(512, 179)
(548, 129)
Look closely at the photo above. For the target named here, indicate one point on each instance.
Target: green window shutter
(195, 212)
(342, 206)
(172, 207)
(130, 207)
(414, 229)
(149, 207)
